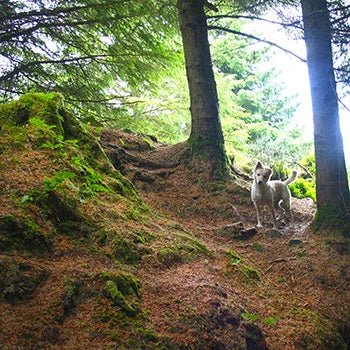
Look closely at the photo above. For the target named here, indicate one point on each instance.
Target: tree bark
(332, 189)
(206, 133)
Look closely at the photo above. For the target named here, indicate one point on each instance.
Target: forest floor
(209, 279)
(299, 281)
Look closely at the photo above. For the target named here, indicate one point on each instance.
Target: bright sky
(295, 77)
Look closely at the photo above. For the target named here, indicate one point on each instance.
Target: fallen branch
(239, 173)
(304, 168)
(275, 262)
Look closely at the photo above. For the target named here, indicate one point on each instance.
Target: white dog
(271, 193)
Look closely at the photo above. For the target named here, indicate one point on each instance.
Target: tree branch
(50, 13)
(22, 67)
(16, 34)
(253, 18)
(250, 36)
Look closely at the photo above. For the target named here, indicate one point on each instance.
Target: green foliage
(254, 109)
(105, 49)
(302, 188)
(309, 162)
(88, 170)
(250, 273)
(58, 181)
(252, 104)
(44, 135)
(235, 259)
(278, 147)
(91, 181)
(247, 316)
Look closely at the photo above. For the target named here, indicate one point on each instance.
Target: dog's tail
(291, 178)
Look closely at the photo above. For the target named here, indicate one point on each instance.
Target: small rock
(295, 241)
(237, 231)
(232, 229)
(248, 232)
(273, 234)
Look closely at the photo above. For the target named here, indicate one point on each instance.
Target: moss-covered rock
(39, 105)
(23, 233)
(71, 296)
(63, 210)
(126, 250)
(51, 126)
(124, 291)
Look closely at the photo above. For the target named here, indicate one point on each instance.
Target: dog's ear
(258, 165)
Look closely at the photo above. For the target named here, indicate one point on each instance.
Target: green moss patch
(335, 220)
(51, 127)
(302, 188)
(23, 233)
(324, 333)
(184, 248)
(235, 259)
(249, 273)
(71, 296)
(63, 210)
(124, 291)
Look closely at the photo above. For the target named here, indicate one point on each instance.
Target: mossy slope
(70, 214)
(76, 170)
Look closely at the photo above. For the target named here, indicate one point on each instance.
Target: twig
(304, 168)
(275, 262)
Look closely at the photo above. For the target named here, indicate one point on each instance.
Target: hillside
(111, 240)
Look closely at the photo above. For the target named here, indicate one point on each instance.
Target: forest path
(271, 278)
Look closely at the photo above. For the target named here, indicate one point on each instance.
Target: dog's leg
(285, 205)
(273, 216)
(283, 211)
(258, 214)
(288, 210)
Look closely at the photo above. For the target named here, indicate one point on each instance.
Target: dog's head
(261, 174)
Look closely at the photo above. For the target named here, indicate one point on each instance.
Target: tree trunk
(332, 189)
(206, 134)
